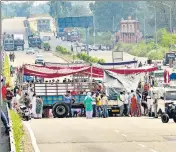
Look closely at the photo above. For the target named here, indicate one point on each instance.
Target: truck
(19, 42)
(168, 56)
(8, 42)
(34, 41)
(72, 36)
(52, 95)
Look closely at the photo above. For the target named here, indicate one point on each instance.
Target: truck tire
(60, 110)
(174, 118)
(165, 118)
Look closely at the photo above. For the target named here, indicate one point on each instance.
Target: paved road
(104, 135)
(107, 55)
(23, 58)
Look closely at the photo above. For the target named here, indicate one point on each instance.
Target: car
(96, 47)
(39, 60)
(30, 51)
(103, 47)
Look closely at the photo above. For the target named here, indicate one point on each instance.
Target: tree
(105, 12)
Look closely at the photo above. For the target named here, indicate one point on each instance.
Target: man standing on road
(68, 101)
(139, 97)
(155, 103)
(126, 104)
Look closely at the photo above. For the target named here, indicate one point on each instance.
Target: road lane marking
(34, 142)
(116, 130)
(143, 146)
(124, 135)
(152, 150)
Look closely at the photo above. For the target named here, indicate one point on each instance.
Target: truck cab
(34, 41)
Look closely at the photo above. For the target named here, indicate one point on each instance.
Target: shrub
(17, 129)
(82, 56)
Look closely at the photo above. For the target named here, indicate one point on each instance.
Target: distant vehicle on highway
(13, 42)
(103, 47)
(30, 51)
(96, 47)
(73, 36)
(8, 42)
(19, 42)
(168, 56)
(39, 60)
(34, 41)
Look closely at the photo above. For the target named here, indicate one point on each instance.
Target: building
(129, 31)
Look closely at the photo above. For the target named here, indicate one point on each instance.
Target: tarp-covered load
(115, 82)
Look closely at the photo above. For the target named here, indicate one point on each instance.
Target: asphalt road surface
(107, 55)
(23, 58)
(104, 135)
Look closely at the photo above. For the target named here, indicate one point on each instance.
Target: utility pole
(94, 28)
(113, 24)
(156, 40)
(170, 16)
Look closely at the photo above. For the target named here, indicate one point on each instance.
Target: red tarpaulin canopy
(59, 71)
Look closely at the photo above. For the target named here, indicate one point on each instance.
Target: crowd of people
(16, 97)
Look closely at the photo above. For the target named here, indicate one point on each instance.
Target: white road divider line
(116, 130)
(143, 146)
(124, 135)
(34, 142)
(152, 150)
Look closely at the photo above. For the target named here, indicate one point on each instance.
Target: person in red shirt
(4, 91)
(73, 93)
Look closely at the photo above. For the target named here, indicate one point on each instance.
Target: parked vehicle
(170, 105)
(96, 47)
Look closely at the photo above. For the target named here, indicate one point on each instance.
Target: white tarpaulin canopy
(124, 82)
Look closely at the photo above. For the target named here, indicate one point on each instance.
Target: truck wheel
(60, 110)
(165, 118)
(174, 118)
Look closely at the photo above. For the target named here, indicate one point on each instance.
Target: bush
(18, 130)
(87, 58)
(62, 50)
(82, 56)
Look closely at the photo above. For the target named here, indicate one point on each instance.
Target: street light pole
(170, 16)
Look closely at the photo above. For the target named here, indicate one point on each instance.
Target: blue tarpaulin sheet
(173, 76)
(119, 63)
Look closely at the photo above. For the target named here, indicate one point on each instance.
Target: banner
(45, 72)
(59, 71)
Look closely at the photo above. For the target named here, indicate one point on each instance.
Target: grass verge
(18, 129)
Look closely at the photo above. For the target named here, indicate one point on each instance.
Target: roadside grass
(18, 130)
